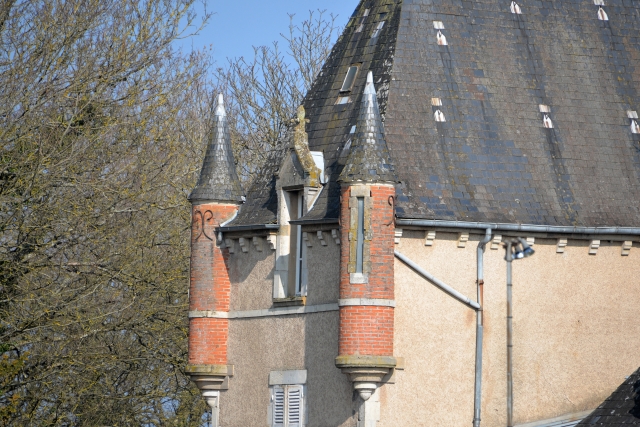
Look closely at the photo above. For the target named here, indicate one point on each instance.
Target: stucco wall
(258, 346)
(289, 342)
(575, 332)
(323, 265)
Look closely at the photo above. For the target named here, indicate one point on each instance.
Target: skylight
(350, 78)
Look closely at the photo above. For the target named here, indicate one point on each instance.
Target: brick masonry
(368, 330)
(210, 288)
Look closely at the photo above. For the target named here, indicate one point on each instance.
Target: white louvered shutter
(295, 406)
(278, 406)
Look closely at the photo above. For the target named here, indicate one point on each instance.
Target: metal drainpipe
(509, 258)
(477, 404)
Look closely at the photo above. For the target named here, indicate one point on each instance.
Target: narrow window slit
(360, 236)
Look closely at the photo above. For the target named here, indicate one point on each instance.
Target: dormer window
(349, 79)
(294, 282)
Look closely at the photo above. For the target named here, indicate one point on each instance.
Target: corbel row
(496, 242)
(258, 242)
(322, 236)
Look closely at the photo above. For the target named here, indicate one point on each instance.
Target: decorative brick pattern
(210, 288)
(368, 330)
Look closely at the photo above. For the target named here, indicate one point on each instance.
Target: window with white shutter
(294, 406)
(287, 406)
(278, 403)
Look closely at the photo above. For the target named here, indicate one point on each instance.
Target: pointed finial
(220, 111)
(369, 88)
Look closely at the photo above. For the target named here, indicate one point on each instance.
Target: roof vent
(353, 129)
(436, 102)
(598, 2)
(602, 15)
(632, 114)
(515, 8)
(438, 25)
(442, 40)
(361, 21)
(544, 108)
(376, 32)
(438, 116)
(547, 122)
(634, 126)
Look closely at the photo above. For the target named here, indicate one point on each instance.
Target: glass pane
(349, 79)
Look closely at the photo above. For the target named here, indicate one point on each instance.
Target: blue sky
(238, 25)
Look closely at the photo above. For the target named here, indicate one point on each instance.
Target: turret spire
(369, 159)
(218, 179)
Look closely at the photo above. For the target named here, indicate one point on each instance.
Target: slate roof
(218, 179)
(368, 159)
(622, 408)
(500, 73)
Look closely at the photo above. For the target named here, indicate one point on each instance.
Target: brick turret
(366, 268)
(215, 200)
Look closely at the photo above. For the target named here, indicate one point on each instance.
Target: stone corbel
(366, 372)
(496, 242)
(210, 379)
(228, 243)
(321, 238)
(335, 235)
(463, 238)
(430, 236)
(397, 236)
(562, 244)
(271, 240)
(244, 246)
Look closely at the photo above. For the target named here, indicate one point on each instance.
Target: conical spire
(218, 179)
(369, 159)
